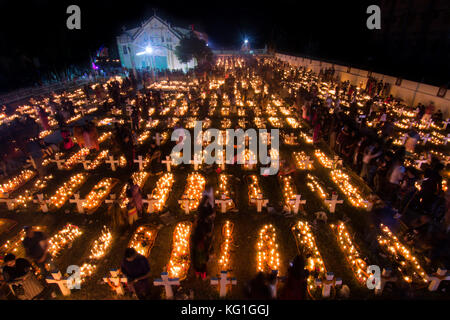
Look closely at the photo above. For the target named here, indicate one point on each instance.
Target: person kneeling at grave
(18, 274)
(137, 270)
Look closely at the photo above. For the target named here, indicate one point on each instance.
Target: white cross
(150, 201)
(85, 163)
(223, 203)
(425, 138)
(56, 277)
(112, 162)
(9, 203)
(446, 139)
(429, 122)
(112, 199)
(157, 138)
(223, 283)
(420, 162)
(141, 163)
(117, 281)
(167, 283)
(31, 160)
(296, 202)
(440, 275)
(59, 162)
(185, 203)
(78, 201)
(327, 283)
(244, 122)
(306, 162)
(332, 203)
(386, 276)
(260, 202)
(168, 162)
(446, 122)
(290, 139)
(42, 202)
(196, 162)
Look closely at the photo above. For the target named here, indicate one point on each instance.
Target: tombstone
(296, 202)
(260, 202)
(386, 276)
(111, 161)
(186, 203)
(85, 163)
(446, 139)
(168, 163)
(78, 201)
(56, 277)
(116, 280)
(223, 283)
(58, 162)
(332, 202)
(141, 163)
(150, 201)
(223, 203)
(327, 283)
(167, 283)
(436, 278)
(42, 203)
(9, 203)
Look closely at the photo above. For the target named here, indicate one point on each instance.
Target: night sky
(335, 31)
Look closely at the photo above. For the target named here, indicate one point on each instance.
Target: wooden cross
(112, 162)
(56, 277)
(150, 201)
(9, 203)
(42, 202)
(223, 283)
(31, 160)
(420, 162)
(141, 163)
(386, 276)
(290, 139)
(446, 122)
(85, 163)
(296, 202)
(168, 163)
(446, 139)
(425, 138)
(157, 138)
(167, 283)
(332, 203)
(186, 202)
(327, 283)
(59, 162)
(223, 203)
(260, 202)
(117, 281)
(78, 201)
(436, 278)
(112, 199)
(306, 162)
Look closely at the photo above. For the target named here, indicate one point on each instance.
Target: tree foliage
(191, 47)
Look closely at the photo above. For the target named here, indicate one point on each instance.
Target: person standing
(137, 270)
(36, 248)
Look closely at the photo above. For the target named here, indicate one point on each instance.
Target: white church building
(152, 46)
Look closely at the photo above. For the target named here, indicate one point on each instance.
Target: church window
(125, 51)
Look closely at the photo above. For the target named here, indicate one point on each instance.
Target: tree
(191, 47)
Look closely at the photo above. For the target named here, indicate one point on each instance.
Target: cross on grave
(436, 278)
(78, 201)
(150, 201)
(56, 277)
(260, 202)
(429, 122)
(58, 161)
(327, 283)
(244, 122)
(157, 138)
(111, 161)
(296, 202)
(42, 202)
(306, 162)
(141, 163)
(115, 281)
(9, 203)
(167, 283)
(446, 122)
(195, 162)
(420, 162)
(186, 202)
(446, 139)
(290, 139)
(168, 163)
(425, 138)
(31, 161)
(112, 199)
(386, 276)
(223, 203)
(129, 110)
(333, 201)
(223, 283)
(85, 163)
